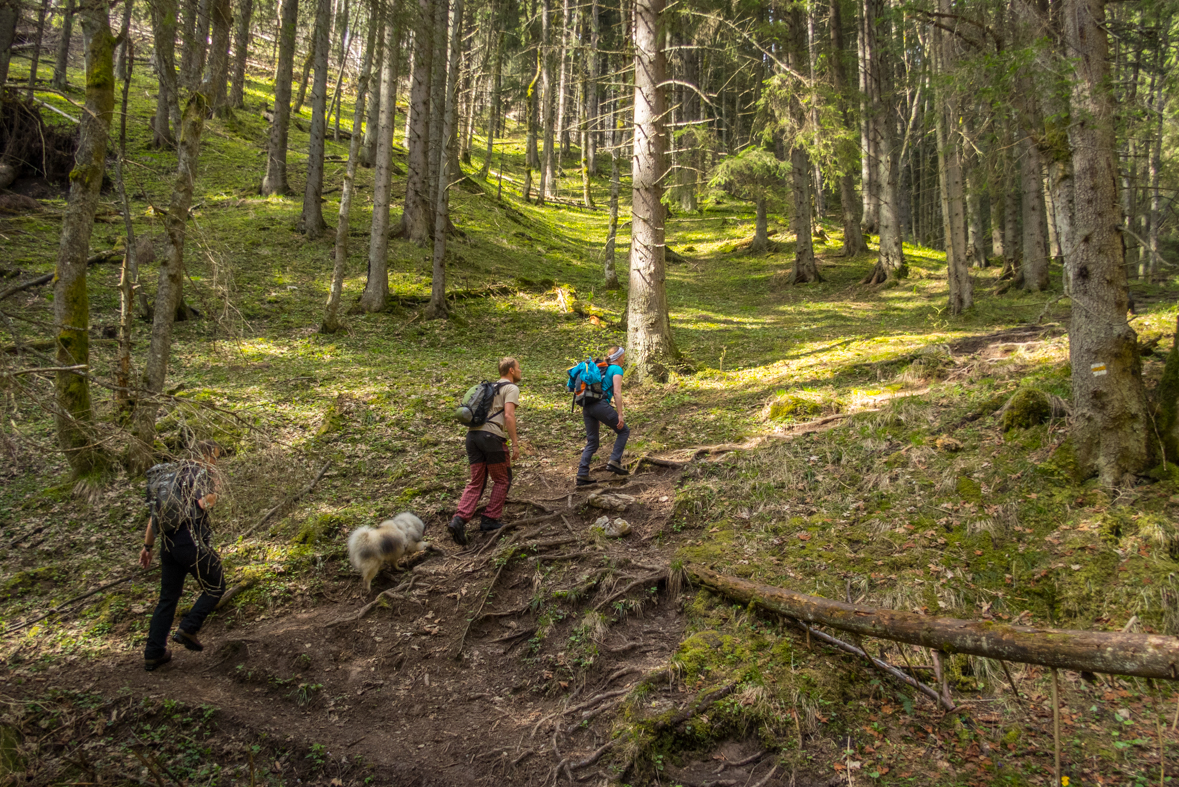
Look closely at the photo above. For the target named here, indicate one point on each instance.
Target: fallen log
(1114, 653)
(102, 256)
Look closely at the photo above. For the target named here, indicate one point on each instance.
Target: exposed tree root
(383, 597)
(458, 651)
(656, 577)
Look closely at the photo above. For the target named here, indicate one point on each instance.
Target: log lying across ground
(1114, 653)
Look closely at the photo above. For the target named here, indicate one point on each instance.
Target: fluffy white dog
(369, 548)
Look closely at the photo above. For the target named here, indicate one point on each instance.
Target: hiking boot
(616, 468)
(487, 524)
(458, 530)
(189, 641)
(585, 481)
(151, 664)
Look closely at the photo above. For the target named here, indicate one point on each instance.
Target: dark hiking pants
(598, 413)
(182, 555)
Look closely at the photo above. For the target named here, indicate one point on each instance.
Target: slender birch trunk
(331, 317)
(71, 303)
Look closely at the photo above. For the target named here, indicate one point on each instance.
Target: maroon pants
(486, 454)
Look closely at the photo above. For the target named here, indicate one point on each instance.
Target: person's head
(616, 355)
(208, 451)
(509, 369)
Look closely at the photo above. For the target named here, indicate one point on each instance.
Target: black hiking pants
(181, 555)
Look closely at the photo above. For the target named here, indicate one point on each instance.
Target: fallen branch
(291, 501)
(62, 606)
(513, 636)
(102, 256)
(233, 591)
(1114, 653)
(877, 663)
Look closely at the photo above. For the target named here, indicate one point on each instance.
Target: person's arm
(510, 428)
(149, 540)
(618, 399)
(209, 487)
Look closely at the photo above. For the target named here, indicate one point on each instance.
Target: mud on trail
(478, 665)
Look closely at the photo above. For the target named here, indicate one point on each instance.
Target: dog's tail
(362, 547)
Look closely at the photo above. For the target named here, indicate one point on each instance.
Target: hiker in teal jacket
(608, 411)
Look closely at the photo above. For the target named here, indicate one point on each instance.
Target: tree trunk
(188, 27)
(35, 55)
(563, 84)
(275, 180)
(853, 235)
(611, 275)
(434, 141)
(331, 317)
(63, 44)
(1111, 422)
(71, 304)
(886, 159)
(805, 270)
(436, 309)
(344, 35)
(548, 173)
(976, 252)
(376, 288)
(415, 218)
(1156, 165)
(311, 223)
(493, 108)
(301, 96)
(949, 117)
(368, 149)
(201, 43)
(997, 204)
(870, 162)
(532, 102)
(167, 117)
(221, 12)
(1113, 653)
(649, 342)
(591, 109)
(129, 278)
(241, 53)
(761, 227)
(1034, 268)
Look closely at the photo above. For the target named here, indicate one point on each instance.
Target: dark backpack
(171, 496)
(585, 382)
(475, 408)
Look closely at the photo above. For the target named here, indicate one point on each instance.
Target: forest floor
(835, 439)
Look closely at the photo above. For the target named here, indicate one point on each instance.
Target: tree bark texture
(869, 73)
(434, 142)
(35, 55)
(1034, 266)
(853, 235)
(761, 227)
(275, 180)
(368, 149)
(884, 156)
(221, 13)
(188, 29)
(436, 308)
(548, 173)
(171, 279)
(376, 288)
(1113, 653)
(63, 43)
(950, 170)
(415, 217)
(805, 270)
(311, 222)
(609, 272)
(241, 53)
(649, 341)
(71, 304)
(1111, 422)
(331, 317)
(167, 117)
(494, 99)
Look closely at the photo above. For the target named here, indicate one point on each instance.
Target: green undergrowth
(917, 499)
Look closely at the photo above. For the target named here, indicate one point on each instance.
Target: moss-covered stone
(1028, 407)
(791, 405)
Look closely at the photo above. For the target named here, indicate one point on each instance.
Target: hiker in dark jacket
(184, 550)
(608, 411)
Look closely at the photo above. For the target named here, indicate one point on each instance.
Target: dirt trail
(388, 687)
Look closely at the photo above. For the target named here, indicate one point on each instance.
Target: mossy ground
(1000, 527)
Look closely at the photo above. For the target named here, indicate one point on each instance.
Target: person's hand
(514, 455)
(144, 557)
(208, 501)
(621, 423)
